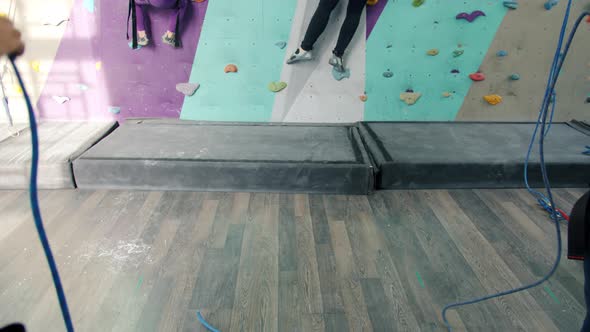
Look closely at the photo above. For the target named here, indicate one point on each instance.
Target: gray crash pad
(179, 155)
(59, 144)
(472, 155)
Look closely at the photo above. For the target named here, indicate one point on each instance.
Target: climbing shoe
(142, 41)
(169, 40)
(337, 63)
(300, 55)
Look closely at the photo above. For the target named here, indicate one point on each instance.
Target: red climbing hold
(477, 77)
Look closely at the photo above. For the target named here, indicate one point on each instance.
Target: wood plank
(287, 238)
(255, 307)
(522, 310)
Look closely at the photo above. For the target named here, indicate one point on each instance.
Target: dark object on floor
(577, 228)
(14, 328)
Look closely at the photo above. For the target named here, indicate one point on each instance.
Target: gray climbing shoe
(337, 63)
(299, 56)
(142, 41)
(169, 40)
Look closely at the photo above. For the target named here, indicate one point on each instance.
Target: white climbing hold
(56, 21)
(281, 44)
(187, 89)
(61, 99)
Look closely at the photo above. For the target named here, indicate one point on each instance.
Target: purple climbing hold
(409, 91)
(455, 71)
(470, 17)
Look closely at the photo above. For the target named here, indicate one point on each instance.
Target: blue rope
(547, 200)
(204, 322)
(35, 207)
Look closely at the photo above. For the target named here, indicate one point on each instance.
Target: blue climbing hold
(388, 74)
(587, 151)
(511, 4)
(89, 5)
(515, 77)
(340, 75)
(502, 53)
(550, 4)
(131, 46)
(114, 109)
(281, 44)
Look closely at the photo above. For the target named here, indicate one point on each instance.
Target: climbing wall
(529, 37)
(314, 95)
(242, 33)
(78, 65)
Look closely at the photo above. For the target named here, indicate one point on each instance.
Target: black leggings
(320, 19)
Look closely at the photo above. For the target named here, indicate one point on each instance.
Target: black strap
(177, 42)
(132, 14)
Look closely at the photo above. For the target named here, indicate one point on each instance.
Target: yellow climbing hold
(36, 65)
(446, 94)
(432, 52)
(17, 89)
(372, 2)
(98, 65)
(410, 98)
(493, 99)
(417, 3)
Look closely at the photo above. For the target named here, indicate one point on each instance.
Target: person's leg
(177, 17)
(316, 27)
(318, 23)
(142, 38)
(350, 25)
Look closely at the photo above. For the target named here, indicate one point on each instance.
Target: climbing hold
(391, 45)
(231, 68)
(588, 18)
(61, 100)
(588, 99)
(446, 94)
(36, 65)
(458, 53)
(511, 4)
(83, 87)
(477, 77)
(276, 86)
(199, 1)
(17, 89)
(372, 2)
(493, 99)
(340, 75)
(470, 17)
(89, 5)
(455, 71)
(417, 3)
(502, 53)
(187, 89)
(410, 98)
(550, 4)
(98, 65)
(409, 90)
(514, 77)
(388, 74)
(432, 52)
(56, 22)
(363, 98)
(114, 109)
(281, 44)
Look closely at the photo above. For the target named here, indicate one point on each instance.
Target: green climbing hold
(276, 86)
(458, 53)
(417, 3)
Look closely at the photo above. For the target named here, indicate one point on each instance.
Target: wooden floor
(147, 261)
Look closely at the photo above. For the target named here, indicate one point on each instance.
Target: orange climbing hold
(477, 77)
(363, 98)
(231, 68)
(493, 99)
